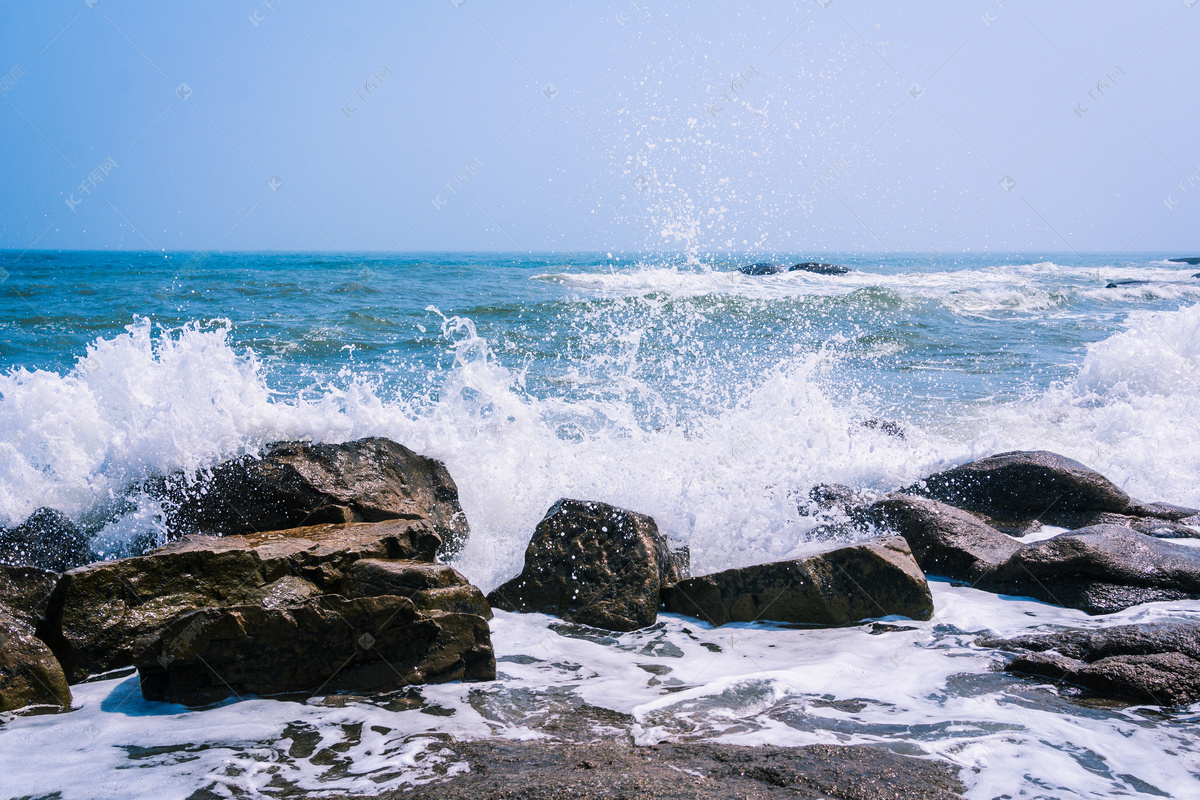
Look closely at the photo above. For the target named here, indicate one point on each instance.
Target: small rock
(835, 498)
(761, 269)
(30, 675)
(327, 645)
(818, 268)
(841, 587)
(1150, 663)
(594, 564)
(890, 427)
(48, 539)
(300, 483)
(946, 541)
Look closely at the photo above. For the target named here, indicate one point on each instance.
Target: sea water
(677, 387)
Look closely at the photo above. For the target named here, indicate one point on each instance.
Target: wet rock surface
(48, 539)
(594, 564)
(293, 484)
(431, 587)
(97, 611)
(546, 769)
(1100, 569)
(841, 587)
(324, 645)
(30, 675)
(1156, 663)
(946, 541)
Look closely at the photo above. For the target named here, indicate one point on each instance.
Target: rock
(761, 269)
(326, 644)
(1101, 569)
(945, 541)
(1165, 511)
(25, 593)
(48, 539)
(1151, 663)
(878, 578)
(431, 587)
(1149, 525)
(818, 268)
(1024, 484)
(1187, 260)
(1126, 282)
(301, 483)
(97, 611)
(833, 497)
(887, 426)
(30, 675)
(550, 769)
(594, 564)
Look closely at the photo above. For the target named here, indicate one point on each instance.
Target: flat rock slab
(841, 587)
(1155, 663)
(594, 564)
(97, 611)
(1100, 570)
(547, 770)
(294, 484)
(325, 645)
(1024, 483)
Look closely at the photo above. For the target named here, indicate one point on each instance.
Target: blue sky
(645, 125)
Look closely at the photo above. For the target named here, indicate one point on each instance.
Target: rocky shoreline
(314, 570)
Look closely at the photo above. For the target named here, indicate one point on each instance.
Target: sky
(645, 125)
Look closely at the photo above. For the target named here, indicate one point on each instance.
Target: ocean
(674, 386)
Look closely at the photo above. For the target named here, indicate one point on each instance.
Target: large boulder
(594, 564)
(1024, 484)
(293, 484)
(47, 539)
(946, 541)
(30, 675)
(877, 578)
(1100, 569)
(25, 593)
(324, 645)
(97, 611)
(1151, 663)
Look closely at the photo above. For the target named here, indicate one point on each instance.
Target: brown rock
(946, 541)
(594, 564)
(431, 587)
(324, 645)
(97, 611)
(878, 578)
(30, 675)
(302, 483)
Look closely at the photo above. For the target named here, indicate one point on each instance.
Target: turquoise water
(677, 387)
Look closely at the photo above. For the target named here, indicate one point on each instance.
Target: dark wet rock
(877, 578)
(431, 587)
(1155, 663)
(762, 269)
(30, 676)
(1100, 569)
(594, 564)
(301, 483)
(553, 770)
(890, 427)
(946, 541)
(47, 539)
(819, 268)
(1149, 525)
(835, 498)
(1126, 282)
(324, 645)
(1193, 260)
(1166, 511)
(97, 611)
(1024, 484)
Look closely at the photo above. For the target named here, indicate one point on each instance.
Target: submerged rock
(878, 578)
(562, 770)
(324, 645)
(301, 483)
(1151, 663)
(1024, 484)
(762, 269)
(594, 564)
(819, 268)
(1193, 260)
(47, 539)
(97, 611)
(946, 541)
(1100, 569)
